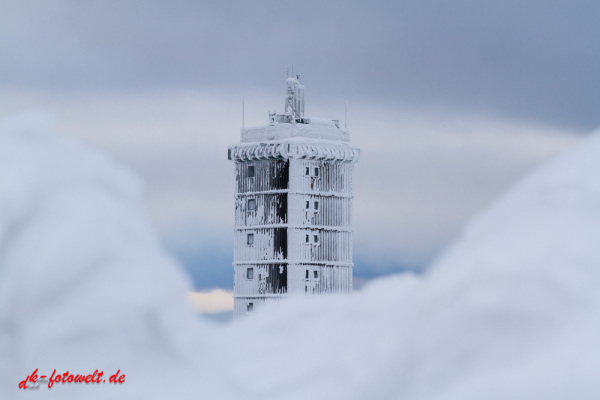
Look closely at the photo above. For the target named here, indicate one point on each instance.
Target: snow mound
(84, 284)
(510, 311)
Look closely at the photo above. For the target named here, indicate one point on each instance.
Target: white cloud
(422, 175)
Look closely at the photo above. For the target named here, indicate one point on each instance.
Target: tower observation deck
(293, 207)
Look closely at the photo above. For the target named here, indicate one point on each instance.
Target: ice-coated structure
(293, 206)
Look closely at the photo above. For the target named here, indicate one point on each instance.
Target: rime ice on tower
(293, 207)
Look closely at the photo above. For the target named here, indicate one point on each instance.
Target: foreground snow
(508, 312)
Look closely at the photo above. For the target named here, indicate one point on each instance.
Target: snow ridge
(509, 311)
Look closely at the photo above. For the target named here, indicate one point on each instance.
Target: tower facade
(293, 207)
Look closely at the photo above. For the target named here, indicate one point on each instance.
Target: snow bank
(84, 284)
(509, 311)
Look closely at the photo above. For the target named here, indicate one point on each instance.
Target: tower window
(316, 171)
(307, 171)
(316, 205)
(307, 204)
(307, 239)
(250, 239)
(316, 238)
(251, 204)
(306, 274)
(250, 171)
(316, 274)
(249, 273)
(250, 307)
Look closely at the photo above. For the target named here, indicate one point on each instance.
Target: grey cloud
(531, 60)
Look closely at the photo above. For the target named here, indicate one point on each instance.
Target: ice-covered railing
(295, 149)
(313, 128)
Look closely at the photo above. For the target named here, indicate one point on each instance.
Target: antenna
(243, 115)
(287, 72)
(346, 114)
(292, 69)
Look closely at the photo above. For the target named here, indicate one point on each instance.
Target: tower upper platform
(291, 135)
(293, 124)
(312, 128)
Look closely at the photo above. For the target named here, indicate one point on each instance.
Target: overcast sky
(451, 102)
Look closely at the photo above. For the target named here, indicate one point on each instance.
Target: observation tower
(293, 207)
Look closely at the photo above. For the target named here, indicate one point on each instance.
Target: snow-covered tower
(293, 207)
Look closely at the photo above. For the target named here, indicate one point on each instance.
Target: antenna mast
(243, 115)
(346, 114)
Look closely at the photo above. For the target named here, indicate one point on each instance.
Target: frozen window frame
(251, 205)
(250, 239)
(312, 172)
(312, 205)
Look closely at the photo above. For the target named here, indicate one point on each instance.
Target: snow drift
(84, 284)
(509, 311)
